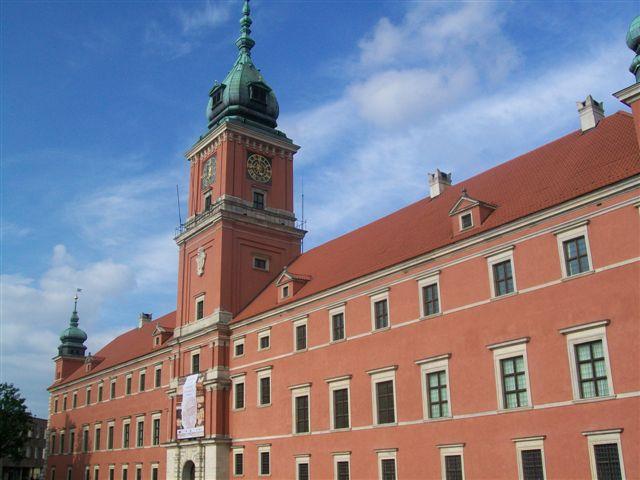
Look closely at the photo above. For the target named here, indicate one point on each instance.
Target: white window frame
(96, 469)
(431, 365)
(264, 372)
(74, 400)
(600, 437)
(296, 324)
(385, 454)
(337, 311)
(126, 421)
(464, 214)
(111, 423)
(264, 197)
(433, 278)
(382, 375)
(128, 380)
(96, 428)
(377, 297)
(192, 353)
(199, 298)
(260, 257)
(112, 468)
(87, 395)
(581, 334)
(500, 257)
(85, 428)
(142, 372)
(98, 389)
(155, 370)
(155, 466)
(235, 379)
(303, 390)
(502, 351)
(567, 234)
(236, 342)
(69, 473)
(303, 458)
(339, 383)
(235, 451)
(125, 466)
(341, 457)
(262, 334)
(529, 443)
(262, 449)
(447, 450)
(139, 420)
(154, 417)
(287, 287)
(114, 389)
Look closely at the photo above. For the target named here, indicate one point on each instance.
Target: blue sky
(99, 100)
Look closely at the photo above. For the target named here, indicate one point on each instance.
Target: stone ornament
(200, 259)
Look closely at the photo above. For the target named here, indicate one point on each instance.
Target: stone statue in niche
(200, 258)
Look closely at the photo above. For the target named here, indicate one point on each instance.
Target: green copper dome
(633, 42)
(72, 338)
(243, 94)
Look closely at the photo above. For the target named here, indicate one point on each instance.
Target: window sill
(515, 409)
(578, 401)
(301, 434)
(436, 420)
(264, 349)
(264, 406)
(433, 315)
(340, 340)
(383, 329)
(383, 425)
(238, 409)
(338, 430)
(302, 350)
(578, 275)
(506, 295)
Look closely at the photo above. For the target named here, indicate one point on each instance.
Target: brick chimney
(438, 182)
(591, 112)
(144, 318)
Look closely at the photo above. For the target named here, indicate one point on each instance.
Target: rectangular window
(453, 467)
(264, 340)
(502, 278)
(260, 263)
(72, 441)
(143, 378)
(126, 435)
(431, 302)
(514, 382)
(302, 472)
(158, 377)
(87, 474)
(112, 474)
(265, 462)
(96, 442)
(437, 396)
(207, 201)
(140, 434)
(265, 390)
(381, 314)
(466, 221)
(341, 408)
(576, 257)
(112, 392)
(607, 461)
(337, 326)
(100, 392)
(238, 394)
(258, 200)
(125, 473)
(388, 467)
(238, 463)
(342, 470)
(138, 473)
(532, 465)
(200, 307)
(385, 400)
(62, 442)
(55, 406)
(85, 440)
(285, 291)
(96, 474)
(300, 329)
(75, 400)
(154, 472)
(238, 348)
(156, 431)
(52, 447)
(88, 397)
(592, 370)
(110, 430)
(302, 414)
(128, 385)
(64, 403)
(195, 363)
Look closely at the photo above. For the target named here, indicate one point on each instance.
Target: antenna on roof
(303, 222)
(179, 213)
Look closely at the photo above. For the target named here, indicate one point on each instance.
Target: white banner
(192, 425)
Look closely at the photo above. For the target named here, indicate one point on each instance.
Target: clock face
(208, 172)
(259, 168)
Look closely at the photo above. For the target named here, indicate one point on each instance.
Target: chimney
(591, 112)
(438, 181)
(144, 318)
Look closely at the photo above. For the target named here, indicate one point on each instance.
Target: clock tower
(241, 230)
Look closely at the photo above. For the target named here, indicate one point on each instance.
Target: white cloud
(206, 15)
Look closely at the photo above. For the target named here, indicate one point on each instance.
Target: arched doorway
(189, 471)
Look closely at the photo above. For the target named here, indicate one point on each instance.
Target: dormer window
(466, 221)
(257, 93)
(216, 96)
(285, 291)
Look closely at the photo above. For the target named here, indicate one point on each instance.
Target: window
(75, 400)
(140, 433)
(501, 275)
(125, 472)
(238, 461)
(127, 388)
(55, 405)
(339, 404)
(207, 201)
(429, 288)
(112, 392)
(96, 438)
(512, 376)
(86, 473)
(258, 200)
(143, 378)
(264, 386)
(573, 247)
(337, 324)
(264, 460)
(52, 448)
(53, 473)
(69, 473)
(530, 457)
(257, 93)
(383, 392)
(64, 403)
(302, 467)
(100, 392)
(435, 386)
(88, 396)
(452, 461)
(158, 376)
(72, 441)
(387, 464)
(341, 470)
(380, 311)
(126, 433)
(285, 291)
(238, 391)
(85, 439)
(216, 96)
(96, 473)
(300, 334)
(260, 263)
(154, 472)
(264, 340)
(62, 434)
(605, 454)
(238, 347)
(110, 431)
(589, 360)
(138, 472)
(156, 431)
(195, 363)
(112, 473)
(300, 395)
(466, 221)
(200, 307)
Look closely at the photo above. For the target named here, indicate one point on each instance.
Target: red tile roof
(554, 173)
(132, 344)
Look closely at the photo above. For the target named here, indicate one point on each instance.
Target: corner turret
(72, 348)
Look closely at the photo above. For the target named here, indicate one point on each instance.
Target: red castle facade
(490, 330)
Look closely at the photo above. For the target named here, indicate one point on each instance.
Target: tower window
(200, 307)
(216, 96)
(258, 200)
(258, 94)
(260, 263)
(207, 202)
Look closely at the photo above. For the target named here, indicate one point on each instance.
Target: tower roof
(633, 42)
(243, 94)
(72, 338)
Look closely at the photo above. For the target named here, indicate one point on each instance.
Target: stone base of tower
(210, 458)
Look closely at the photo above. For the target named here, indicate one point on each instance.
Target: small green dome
(72, 338)
(243, 94)
(633, 42)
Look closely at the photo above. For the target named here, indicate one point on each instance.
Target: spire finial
(74, 316)
(245, 43)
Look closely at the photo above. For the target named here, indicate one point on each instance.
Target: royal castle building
(489, 330)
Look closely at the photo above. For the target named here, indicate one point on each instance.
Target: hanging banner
(190, 409)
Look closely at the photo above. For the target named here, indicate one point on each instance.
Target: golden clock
(259, 168)
(208, 172)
